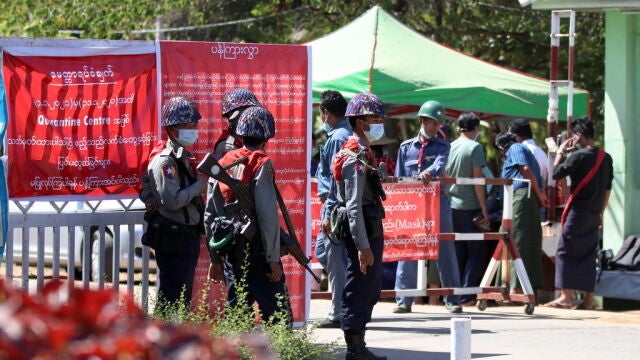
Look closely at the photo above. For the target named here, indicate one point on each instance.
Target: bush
(256, 339)
(96, 324)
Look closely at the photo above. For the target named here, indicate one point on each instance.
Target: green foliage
(101, 19)
(498, 31)
(238, 321)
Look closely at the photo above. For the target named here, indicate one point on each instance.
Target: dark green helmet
(432, 109)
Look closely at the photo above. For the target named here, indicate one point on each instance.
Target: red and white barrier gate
(484, 292)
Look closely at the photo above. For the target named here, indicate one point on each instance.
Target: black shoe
(453, 308)
(402, 309)
(328, 324)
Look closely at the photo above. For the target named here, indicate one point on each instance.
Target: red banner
(81, 124)
(411, 223)
(278, 75)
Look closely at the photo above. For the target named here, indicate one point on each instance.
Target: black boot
(357, 348)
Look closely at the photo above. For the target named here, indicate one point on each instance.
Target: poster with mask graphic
(82, 120)
(278, 76)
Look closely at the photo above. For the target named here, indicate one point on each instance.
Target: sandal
(556, 305)
(582, 306)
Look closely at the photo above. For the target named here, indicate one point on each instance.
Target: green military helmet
(432, 109)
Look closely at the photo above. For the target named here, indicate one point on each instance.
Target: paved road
(503, 333)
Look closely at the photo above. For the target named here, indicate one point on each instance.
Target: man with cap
(466, 159)
(251, 263)
(358, 194)
(332, 109)
(426, 156)
(233, 103)
(177, 190)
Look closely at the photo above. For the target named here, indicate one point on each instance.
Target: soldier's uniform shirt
(179, 201)
(418, 154)
(171, 196)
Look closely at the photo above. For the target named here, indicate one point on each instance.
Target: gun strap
(235, 163)
(285, 213)
(359, 157)
(184, 174)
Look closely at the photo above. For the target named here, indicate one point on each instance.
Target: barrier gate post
(484, 291)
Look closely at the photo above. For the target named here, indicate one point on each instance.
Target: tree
(498, 31)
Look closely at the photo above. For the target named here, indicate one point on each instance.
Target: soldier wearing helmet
(233, 103)
(425, 156)
(265, 280)
(177, 190)
(358, 213)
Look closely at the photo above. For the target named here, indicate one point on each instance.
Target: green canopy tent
(377, 53)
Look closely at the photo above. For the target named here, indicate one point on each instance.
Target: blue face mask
(187, 137)
(326, 127)
(376, 132)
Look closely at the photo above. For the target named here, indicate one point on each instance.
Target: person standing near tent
(591, 171)
(426, 156)
(526, 231)
(251, 262)
(233, 103)
(178, 196)
(332, 110)
(359, 194)
(466, 159)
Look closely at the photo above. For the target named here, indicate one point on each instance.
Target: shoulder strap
(350, 149)
(582, 184)
(184, 174)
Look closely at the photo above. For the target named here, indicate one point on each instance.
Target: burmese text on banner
(411, 223)
(81, 124)
(279, 77)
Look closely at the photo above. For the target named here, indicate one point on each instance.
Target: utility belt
(232, 234)
(340, 220)
(166, 235)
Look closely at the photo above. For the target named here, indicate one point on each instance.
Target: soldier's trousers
(361, 292)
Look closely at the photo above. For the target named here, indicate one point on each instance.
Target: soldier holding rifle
(254, 253)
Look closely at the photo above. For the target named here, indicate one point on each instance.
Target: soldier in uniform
(359, 196)
(233, 103)
(261, 269)
(426, 156)
(178, 198)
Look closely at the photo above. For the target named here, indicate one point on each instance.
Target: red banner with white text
(411, 223)
(279, 77)
(82, 123)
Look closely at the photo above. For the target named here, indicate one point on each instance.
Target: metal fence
(97, 244)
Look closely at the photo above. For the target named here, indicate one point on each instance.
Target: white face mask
(424, 133)
(376, 132)
(187, 137)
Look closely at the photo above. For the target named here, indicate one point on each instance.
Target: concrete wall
(622, 125)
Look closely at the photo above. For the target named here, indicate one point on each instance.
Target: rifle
(245, 204)
(291, 242)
